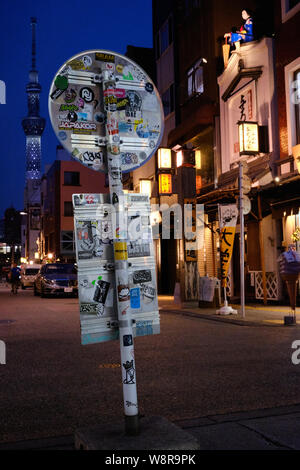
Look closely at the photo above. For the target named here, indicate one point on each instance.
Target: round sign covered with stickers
(78, 105)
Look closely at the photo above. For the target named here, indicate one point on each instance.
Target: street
(52, 385)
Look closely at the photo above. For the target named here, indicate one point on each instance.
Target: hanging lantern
(248, 138)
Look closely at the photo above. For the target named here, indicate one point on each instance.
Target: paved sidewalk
(266, 429)
(255, 314)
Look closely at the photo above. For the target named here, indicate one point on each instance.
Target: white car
(28, 276)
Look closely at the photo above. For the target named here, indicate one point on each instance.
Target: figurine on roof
(245, 34)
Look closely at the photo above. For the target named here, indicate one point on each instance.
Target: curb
(224, 319)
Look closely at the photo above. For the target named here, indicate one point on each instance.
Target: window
(289, 8)
(297, 105)
(292, 4)
(164, 37)
(67, 242)
(68, 209)
(195, 79)
(71, 178)
(168, 100)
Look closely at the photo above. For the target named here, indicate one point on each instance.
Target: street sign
(96, 274)
(108, 114)
(78, 107)
(246, 205)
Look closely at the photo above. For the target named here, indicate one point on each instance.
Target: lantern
(248, 138)
(164, 158)
(165, 183)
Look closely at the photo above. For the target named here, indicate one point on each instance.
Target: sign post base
(226, 310)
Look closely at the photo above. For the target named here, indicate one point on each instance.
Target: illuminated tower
(33, 126)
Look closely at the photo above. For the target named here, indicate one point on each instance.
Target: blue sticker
(135, 298)
(62, 135)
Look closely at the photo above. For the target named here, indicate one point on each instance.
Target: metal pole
(120, 256)
(242, 241)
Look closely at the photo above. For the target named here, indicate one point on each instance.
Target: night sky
(63, 29)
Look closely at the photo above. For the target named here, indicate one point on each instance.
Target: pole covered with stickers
(108, 115)
(120, 255)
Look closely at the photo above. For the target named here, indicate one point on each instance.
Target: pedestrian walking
(15, 278)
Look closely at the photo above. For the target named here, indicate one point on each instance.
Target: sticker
(144, 328)
(92, 157)
(130, 372)
(99, 118)
(123, 293)
(62, 135)
(89, 239)
(149, 87)
(87, 94)
(129, 158)
(67, 125)
(61, 82)
(72, 116)
(70, 95)
(120, 249)
(104, 57)
(127, 340)
(83, 64)
(110, 66)
(148, 293)
(87, 308)
(134, 104)
(129, 403)
(56, 94)
(135, 299)
(137, 249)
(112, 125)
(100, 294)
(144, 275)
(68, 107)
(115, 198)
(119, 69)
(125, 310)
(115, 173)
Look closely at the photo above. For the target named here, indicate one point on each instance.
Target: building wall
(263, 99)
(287, 52)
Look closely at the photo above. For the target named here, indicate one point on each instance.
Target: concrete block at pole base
(156, 433)
(226, 310)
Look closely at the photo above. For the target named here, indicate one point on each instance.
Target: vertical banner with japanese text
(228, 214)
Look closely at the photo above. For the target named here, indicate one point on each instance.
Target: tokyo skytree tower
(33, 124)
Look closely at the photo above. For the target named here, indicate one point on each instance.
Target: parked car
(28, 275)
(56, 278)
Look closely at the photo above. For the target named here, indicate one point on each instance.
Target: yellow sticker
(120, 249)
